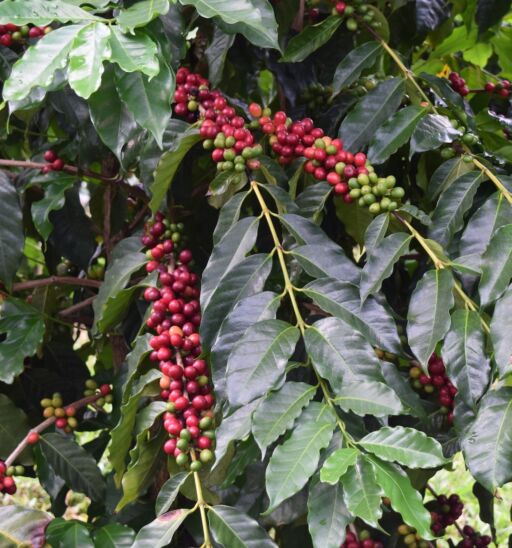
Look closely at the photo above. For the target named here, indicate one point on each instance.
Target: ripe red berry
(33, 437)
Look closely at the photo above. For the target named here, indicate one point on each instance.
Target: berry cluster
(437, 380)
(54, 162)
(315, 96)
(362, 540)
(192, 91)
(449, 509)
(458, 84)
(503, 88)
(175, 318)
(473, 539)
(7, 483)
(11, 34)
(411, 538)
(355, 12)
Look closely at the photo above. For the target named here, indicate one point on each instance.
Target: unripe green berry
(366, 189)
(230, 141)
(392, 206)
(202, 380)
(182, 459)
(11, 470)
(374, 209)
(363, 179)
(369, 199)
(398, 193)
(185, 435)
(19, 470)
(205, 423)
(390, 181)
(353, 183)
(206, 455)
(351, 24)
(182, 444)
(355, 193)
(91, 384)
(46, 402)
(196, 466)
(384, 203)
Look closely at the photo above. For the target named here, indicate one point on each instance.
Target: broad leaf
(337, 464)
(445, 174)
(367, 397)
(135, 52)
(501, 326)
(141, 13)
(233, 528)
(496, 266)
(310, 39)
(216, 54)
(375, 108)
(394, 134)
(278, 411)
(11, 234)
(295, 461)
(42, 12)
(160, 531)
(312, 200)
(430, 14)
(432, 131)
(353, 64)
(259, 359)
(488, 444)
(376, 232)
(73, 464)
(22, 526)
(229, 215)
(490, 12)
(428, 319)
(114, 535)
(61, 533)
(169, 492)
(13, 428)
(406, 446)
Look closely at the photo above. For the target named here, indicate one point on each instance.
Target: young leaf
(337, 464)
(432, 131)
(353, 64)
(496, 266)
(169, 492)
(428, 319)
(488, 444)
(501, 326)
(406, 446)
(395, 133)
(134, 52)
(160, 531)
(361, 492)
(22, 526)
(11, 234)
(232, 528)
(295, 461)
(375, 108)
(368, 397)
(464, 356)
(404, 498)
(259, 359)
(381, 261)
(141, 13)
(278, 411)
(310, 39)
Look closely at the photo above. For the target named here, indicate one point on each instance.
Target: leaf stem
(202, 505)
(499, 185)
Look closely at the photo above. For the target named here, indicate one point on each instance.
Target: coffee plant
(255, 271)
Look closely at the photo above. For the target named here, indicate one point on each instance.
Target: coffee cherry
(33, 438)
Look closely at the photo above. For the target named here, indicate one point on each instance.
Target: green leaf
(310, 39)
(53, 199)
(230, 251)
(501, 326)
(376, 232)
(232, 528)
(328, 516)
(401, 385)
(361, 492)
(141, 13)
(24, 326)
(42, 12)
(38, 65)
(13, 428)
(404, 498)
(406, 446)
(160, 531)
(135, 52)
(454, 203)
(337, 464)
(342, 300)
(114, 535)
(496, 266)
(11, 234)
(61, 533)
(312, 200)
(395, 133)
(295, 461)
(488, 444)
(247, 279)
(216, 54)
(253, 18)
(73, 464)
(445, 174)
(381, 261)
(278, 411)
(353, 64)
(464, 355)
(22, 526)
(169, 492)
(432, 131)
(428, 319)
(229, 215)
(430, 14)
(490, 12)
(355, 220)
(149, 100)
(259, 359)
(375, 108)
(368, 397)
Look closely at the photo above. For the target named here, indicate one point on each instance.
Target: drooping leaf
(169, 492)
(42, 12)
(430, 14)
(134, 52)
(464, 356)
(496, 266)
(395, 133)
(407, 446)
(376, 232)
(11, 233)
(295, 461)
(233, 528)
(368, 397)
(161, 530)
(74, 464)
(312, 200)
(500, 333)
(428, 319)
(114, 535)
(432, 131)
(228, 215)
(310, 39)
(24, 326)
(381, 261)
(61, 533)
(278, 411)
(375, 108)
(259, 359)
(488, 444)
(216, 53)
(22, 526)
(141, 13)
(490, 12)
(353, 64)
(13, 428)
(445, 174)
(337, 464)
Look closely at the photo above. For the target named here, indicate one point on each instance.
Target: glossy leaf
(430, 14)
(134, 52)
(500, 333)
(229, 215)
(259, 359)
(312, 200)
(295, 461)
(432, 131)
(368, 397)
(496, 266)
(216, 53)
(61, 533)
(42, 12)
(13, 428)
(22, 526)
(11, 235)
(169, 492)
(114, 535)
(445, 174)
(353, 64)
(489, 12)
(376, 232)
(160, 531)
(375, 108)
(428, 319)
(337, 463)
(141, 13)
(278, 411)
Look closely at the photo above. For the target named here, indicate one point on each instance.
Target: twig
(78, 306)
(56, 280)
(107, 208)
(134, 222)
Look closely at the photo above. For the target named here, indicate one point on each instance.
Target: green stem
(499, 185)
(202, 506)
